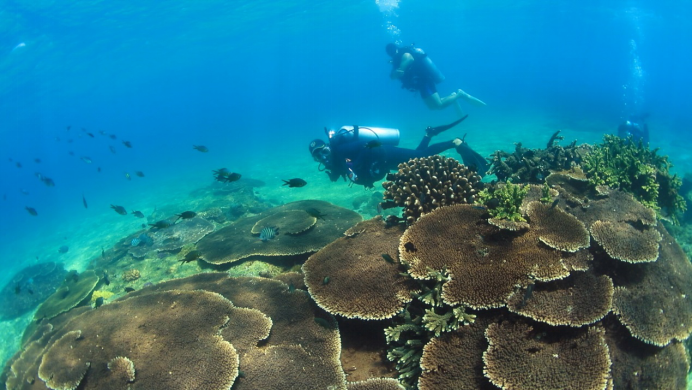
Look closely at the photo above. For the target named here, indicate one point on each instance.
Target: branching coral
(504, 201)
(621, 163)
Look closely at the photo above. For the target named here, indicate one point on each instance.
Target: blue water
(256, 81)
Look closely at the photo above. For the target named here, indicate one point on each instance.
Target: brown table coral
(74, 290)
(237, 241)
(184, 232)
(357, 276)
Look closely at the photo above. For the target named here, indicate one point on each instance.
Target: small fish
(388, 258)
(105, 278)
(30, 291)
(119, 209)
(129, 289)
(231, 177)
(112, 136)
(127, 175)
(63, 249)
(268, 233)
(112, 149)
(48, 181)
(315, 213)
(31, 211)
(90, 135)
(163, 224)
(68, 128)
(71, 153)
(479, 207)
(325, 280)
(201, 148)
(18, 164)
(409, 247)
(37, 160)
(84, 202)
(296, 182)
(127, 144)
(103, 253)
(86, 159)
(191, 256)
(137, 214)
(98, 302)
(135, 241)
(292, 288)
(186, 215)
(528, 295)
(98, 169)
(373, 144)
(139, 173)
(555, 203)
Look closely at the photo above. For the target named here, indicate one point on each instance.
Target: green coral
(633, 167)
(440, 323)
(546, 194)
(504, 201)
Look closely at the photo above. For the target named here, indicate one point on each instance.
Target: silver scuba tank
(383, 135)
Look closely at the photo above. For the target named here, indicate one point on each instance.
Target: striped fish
(268, 233)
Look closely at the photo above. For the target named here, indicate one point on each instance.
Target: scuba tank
(364, 134)
(431, 68)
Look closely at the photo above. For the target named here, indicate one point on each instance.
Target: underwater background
(254, 82)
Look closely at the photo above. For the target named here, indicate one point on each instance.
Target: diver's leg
(469, 98)
(424, 142)
(435, 102)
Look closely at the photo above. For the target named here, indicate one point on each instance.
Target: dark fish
(30, 291)
(201, 148)
(98, 302)
(71, 153)
(528, 295)
(63, 249)
(90, 135)
(315, 213)
(48, 181)
(373, 144)
(163, 224)
(220, 172)
(103, 253)
(409, 247)
(292, 288)
(231, 177)
(268, 233)
(84, 202)
(186, 215)
(18, 164)
(86, 159)
(127, 144)
(137, 214)
(479, 207)
(113, 136)
(31, 211)
(119, 209)
(129, 289)
(326, 280)
(555, 203)
(296, 182)
(388, 204)
(191, 256)
(37, 160)
(471, 158)
(139, 173)
(105, 278)
(388, 258)
(68, 128)
(112, 149)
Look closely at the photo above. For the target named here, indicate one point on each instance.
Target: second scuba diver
(364, 155)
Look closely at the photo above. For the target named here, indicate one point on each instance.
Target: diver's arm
(406, 61)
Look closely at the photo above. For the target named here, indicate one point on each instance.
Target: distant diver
(635, 127)
(414, 68)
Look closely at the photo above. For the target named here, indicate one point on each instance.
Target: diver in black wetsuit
(417, 72)
(635, 127)
(365, 155)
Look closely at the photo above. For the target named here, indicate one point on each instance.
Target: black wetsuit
(364, 166)
(638, 131)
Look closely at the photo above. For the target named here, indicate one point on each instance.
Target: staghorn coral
(424, 184)
(578, 300)
(624, 242)
(504, 201)
(634, 168)
(236, 241)
(533, 165)
(74, 290)
(364, 278)
(558, 229)
(131, 275)
(520, 357)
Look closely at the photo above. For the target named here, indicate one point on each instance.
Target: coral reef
(174, 237)
(504, 201)
(236, 241)
(558, 229)
(622, 241)
(533, 165)
(131, 275)
(29, 287)
(75, 288)
(122, 369)
(424, 184)
(633, 167)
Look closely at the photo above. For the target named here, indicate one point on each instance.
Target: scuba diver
(416, 71)
(635, 127)
(364, 155)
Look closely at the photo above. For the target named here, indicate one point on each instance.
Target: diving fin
(433, 131)
(472, 159)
